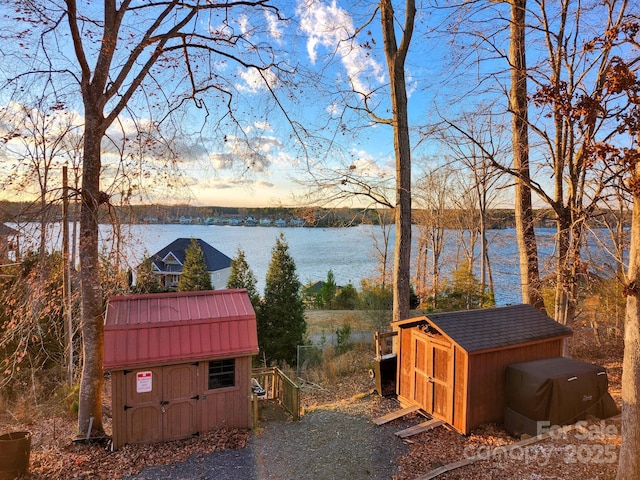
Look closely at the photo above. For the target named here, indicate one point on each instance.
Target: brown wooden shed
(180, 363)
(453, 364)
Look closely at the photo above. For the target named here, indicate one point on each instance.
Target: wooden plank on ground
(419, 428)
(396, 414)
(503, 449)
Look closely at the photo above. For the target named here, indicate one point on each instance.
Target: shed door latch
(197, 397)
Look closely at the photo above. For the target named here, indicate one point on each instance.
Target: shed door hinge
(197, 397)
(127, 407)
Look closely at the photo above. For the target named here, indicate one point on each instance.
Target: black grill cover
(557, 390)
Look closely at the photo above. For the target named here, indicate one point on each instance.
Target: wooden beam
(421, 427)
(396, 414)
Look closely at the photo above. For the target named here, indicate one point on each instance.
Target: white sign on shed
(144, 382)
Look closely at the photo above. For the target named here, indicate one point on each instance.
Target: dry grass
(325, 321)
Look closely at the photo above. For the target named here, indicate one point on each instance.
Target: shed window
(222, 373)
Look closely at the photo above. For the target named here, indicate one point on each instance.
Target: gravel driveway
(327, 443)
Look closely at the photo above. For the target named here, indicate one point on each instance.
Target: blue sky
(315, 40)
(259, 156)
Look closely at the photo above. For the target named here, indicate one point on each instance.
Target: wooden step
(421, 427)
(396, 414)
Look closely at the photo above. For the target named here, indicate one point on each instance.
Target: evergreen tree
(327, 294)
(195, 275)
(146, 280)
(242, 277)
(281, 322)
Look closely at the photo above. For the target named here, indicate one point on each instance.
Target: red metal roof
(154, 329)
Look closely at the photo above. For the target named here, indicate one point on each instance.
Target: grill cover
(557, 390)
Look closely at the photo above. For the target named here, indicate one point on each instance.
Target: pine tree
(242, 277)
(146, 280)
(195, 275)
(281, 322)
(327, 294)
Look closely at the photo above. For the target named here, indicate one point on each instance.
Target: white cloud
(366, 166)
(275, 26)
(245, 26)
(330, 26)
(256, 80)
(264, 126)
(255, 153)
(334, 109)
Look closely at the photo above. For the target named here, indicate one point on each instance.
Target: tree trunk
(629, 462)
(92, 324)
(395, 62)
(527, 246)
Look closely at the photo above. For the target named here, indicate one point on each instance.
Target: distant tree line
(496, 218)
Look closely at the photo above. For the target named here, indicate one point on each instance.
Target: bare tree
(165, 53)
(569, 84)
(381, 245)
(477, 150)
(35, 136)
(396, 56)
(519, 106)
(433, 199)
(621, 79)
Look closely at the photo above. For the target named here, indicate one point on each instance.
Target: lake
(349, 252)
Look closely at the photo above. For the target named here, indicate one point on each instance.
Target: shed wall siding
(486, 380)
(185, 415)
(405, 381)
(460, 385)
(230, 407)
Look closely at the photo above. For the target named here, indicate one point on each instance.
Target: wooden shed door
(142, 406)
(433, 376)
(180, 394)
(161, 403)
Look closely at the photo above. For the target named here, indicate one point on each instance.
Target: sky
(287, 127)
(311, 128)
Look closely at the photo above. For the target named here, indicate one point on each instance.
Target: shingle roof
(214, 259)
(176, 327)
(493, 328)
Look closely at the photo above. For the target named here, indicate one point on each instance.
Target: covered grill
(554, 391)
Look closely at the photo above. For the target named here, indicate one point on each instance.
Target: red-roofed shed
(180, 363)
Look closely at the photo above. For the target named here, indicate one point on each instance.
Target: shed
(180, 363)
(453, 364)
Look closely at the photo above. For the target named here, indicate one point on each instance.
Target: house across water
(168, 263)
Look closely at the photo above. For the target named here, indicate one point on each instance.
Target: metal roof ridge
(194, 293)
(178, 323)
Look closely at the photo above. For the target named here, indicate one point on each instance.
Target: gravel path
(326, 444)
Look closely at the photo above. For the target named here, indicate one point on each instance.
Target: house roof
(493, 328)
(6, 230)
(214, 259)
(154, 329)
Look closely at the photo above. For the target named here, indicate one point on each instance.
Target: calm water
(349, 252)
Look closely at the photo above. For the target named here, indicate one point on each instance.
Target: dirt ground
(588, 452)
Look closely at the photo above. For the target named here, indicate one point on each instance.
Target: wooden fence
(279, 387)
